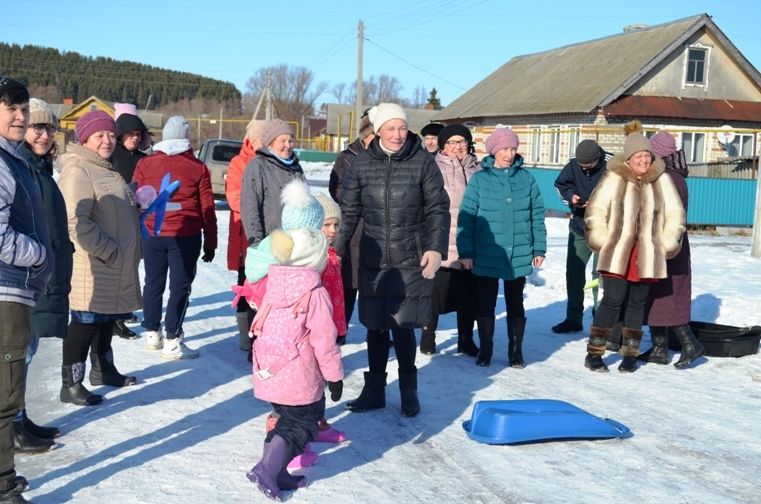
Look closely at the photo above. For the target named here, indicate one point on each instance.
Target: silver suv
(216, 154)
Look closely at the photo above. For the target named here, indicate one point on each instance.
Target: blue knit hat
(300, 209)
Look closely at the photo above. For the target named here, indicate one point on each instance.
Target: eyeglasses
(453, 143)
(40, 128)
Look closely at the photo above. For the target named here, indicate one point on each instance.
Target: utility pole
(220, 121)
(755, 247)
(268, 98)
(358, 110)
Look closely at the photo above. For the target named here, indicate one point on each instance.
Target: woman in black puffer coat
(398, 190)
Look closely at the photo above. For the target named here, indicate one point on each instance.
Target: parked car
(216, 153)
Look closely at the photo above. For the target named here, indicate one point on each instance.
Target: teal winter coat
(501, 221)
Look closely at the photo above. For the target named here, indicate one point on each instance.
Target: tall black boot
(26, 442)
(40, 431)
(692, 348)
(659, 353)
(465, 343)
(630, 349)
(373, 395)
(104, 372)
(516, 327)
(486, 340)
(428, 341)
(72, 390)
(408, 391)
(598, 337)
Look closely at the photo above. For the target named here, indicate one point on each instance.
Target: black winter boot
(274, 458)
(613, 343)
(428, 341)
(40, 431)
(26, 442)
(598, 336)
(630, 349)
(124, 332)
(13, 494)
(103, 371)
(72, 390)
(244, 325)
(516, 327)
(373, 395)
(465, 343)
(486, 338)
(692, 348)
(408, 391)
(659, 353)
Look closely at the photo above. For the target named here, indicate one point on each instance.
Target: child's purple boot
(304, 459)
(265, 473)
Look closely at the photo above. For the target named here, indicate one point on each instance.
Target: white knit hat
(304, 247)
(384, 112)
(329, 207)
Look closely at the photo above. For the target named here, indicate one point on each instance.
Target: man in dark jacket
(575, 184)
(25, 267)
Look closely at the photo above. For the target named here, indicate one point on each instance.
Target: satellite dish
(726, 135)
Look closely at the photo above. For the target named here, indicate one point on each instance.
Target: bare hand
(467, 264)
(431, 262)
(538, 261)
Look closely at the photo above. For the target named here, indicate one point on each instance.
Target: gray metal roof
(581, 77)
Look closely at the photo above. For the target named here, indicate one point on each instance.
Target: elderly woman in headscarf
(670, 302)
(634, 221)
(398, 190)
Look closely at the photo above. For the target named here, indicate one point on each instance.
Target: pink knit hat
(663, 143)
(92, 122)
(124, 108)
(502, 138)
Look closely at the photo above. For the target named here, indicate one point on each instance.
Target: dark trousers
(297, 425)
(15, 334)
(179, 255)
(452, 291)
(81, 338)
(487, 289)
(619, 293)
(405, 347)
(575, 275)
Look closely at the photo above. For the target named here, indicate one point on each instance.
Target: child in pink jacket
(294, 354)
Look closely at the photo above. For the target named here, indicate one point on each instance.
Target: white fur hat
(384, 112)
(300, 247)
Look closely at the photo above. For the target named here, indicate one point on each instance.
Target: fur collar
(617, 165)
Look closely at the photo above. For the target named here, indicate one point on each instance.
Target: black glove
(208, 255)
(336, 390)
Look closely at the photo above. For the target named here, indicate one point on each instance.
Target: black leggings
(405, 347)
(619, 294)
(83, 337)
(487, 289)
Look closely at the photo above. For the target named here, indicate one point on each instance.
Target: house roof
(671, 107)
(152, 120)
(547, 83)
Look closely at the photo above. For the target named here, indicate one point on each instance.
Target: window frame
(690, 153)
(706, 65)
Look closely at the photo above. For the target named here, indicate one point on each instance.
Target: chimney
(68, 101)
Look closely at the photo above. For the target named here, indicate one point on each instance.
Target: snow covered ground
(189, 430)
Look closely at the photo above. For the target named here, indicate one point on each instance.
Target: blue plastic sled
(532, 420)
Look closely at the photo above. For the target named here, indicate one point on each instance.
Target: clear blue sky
(449, 44)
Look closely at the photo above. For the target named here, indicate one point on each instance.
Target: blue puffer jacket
(501, 221)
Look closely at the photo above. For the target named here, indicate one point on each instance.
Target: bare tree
(50, 93)
(340, 93)
(419, 97)
(293, 89)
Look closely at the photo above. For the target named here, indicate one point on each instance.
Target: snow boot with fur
(629, 349)
(598, 336)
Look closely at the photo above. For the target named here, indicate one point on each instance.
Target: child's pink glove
(253, 292)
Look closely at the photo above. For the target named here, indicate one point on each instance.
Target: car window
(224, 153)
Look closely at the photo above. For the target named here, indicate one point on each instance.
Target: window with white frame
(697, 66)
(536, 144)
(693, 145)
(741, 146)
(573, 140)
(554, 144)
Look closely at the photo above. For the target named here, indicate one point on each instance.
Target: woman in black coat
(398, 190)
(50, 316)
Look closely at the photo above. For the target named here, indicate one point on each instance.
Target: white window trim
(691, 155)
(572, 143)
(556, 132)
(706, 67)
(536, 132)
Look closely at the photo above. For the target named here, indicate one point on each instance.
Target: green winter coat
(50, 315)
(501, 221)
